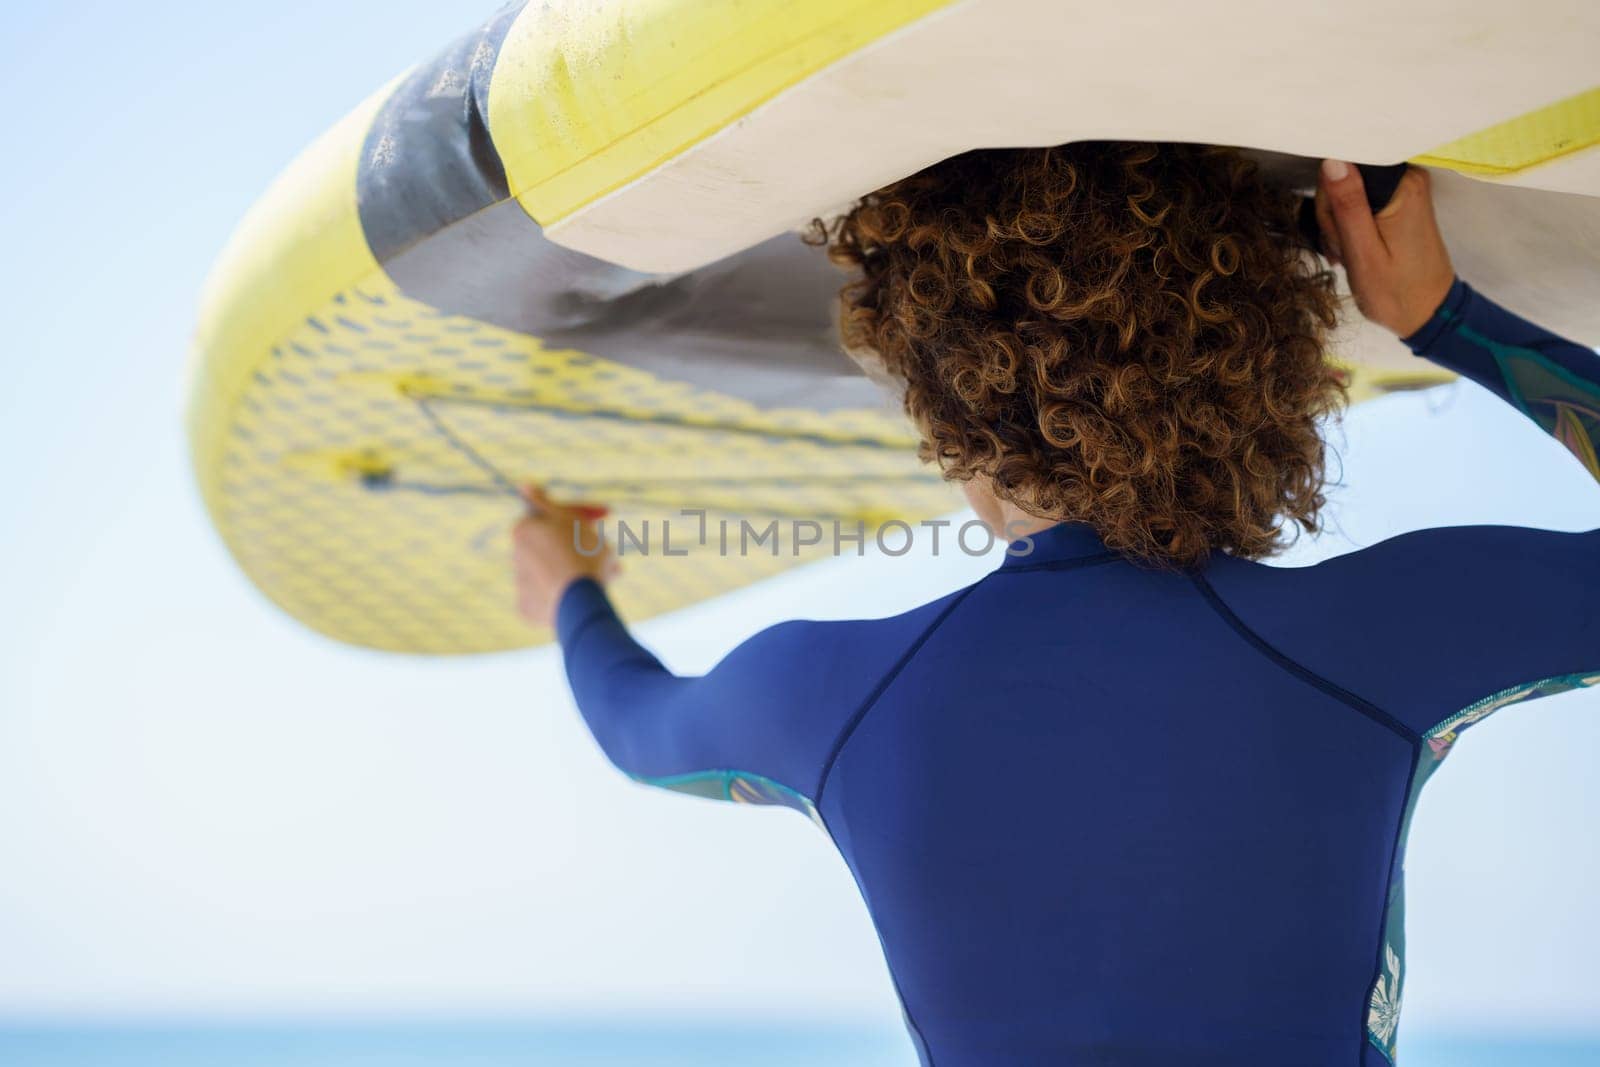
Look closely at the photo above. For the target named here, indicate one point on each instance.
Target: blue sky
(207, 810)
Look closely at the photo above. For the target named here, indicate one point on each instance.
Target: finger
(1360, 243)
(1415, 214)
(539, 503)
(1410, 207)
(1423, 180)
(1405, 194)
(1330, 235)
(1414, 231)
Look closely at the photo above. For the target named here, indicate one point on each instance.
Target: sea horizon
(592, 1043)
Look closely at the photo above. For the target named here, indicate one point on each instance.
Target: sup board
(564, 250)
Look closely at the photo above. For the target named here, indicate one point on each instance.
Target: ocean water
(539, 1045)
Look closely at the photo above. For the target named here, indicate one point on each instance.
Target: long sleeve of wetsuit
(761, 727)
(1551, 380)
(1449, 625)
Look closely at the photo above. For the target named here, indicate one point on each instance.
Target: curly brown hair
(1129, 335)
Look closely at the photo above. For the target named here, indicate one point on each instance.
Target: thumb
(1360, 243)
(538, 501)
(1412, 187)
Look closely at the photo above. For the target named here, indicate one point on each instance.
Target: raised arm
(759, 728)
(1473, 619)
(1401, 277)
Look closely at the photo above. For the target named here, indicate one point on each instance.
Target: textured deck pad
(347, 496)
(560, 252)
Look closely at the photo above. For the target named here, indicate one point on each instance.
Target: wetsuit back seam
(1369, 710)
(878, 690)
(925, 1054)
(1299, 670)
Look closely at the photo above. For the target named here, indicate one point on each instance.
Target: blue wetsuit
(1103, 814)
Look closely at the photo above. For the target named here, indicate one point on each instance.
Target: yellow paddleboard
(563, 251)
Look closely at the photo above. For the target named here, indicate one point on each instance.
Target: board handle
(1380, 183)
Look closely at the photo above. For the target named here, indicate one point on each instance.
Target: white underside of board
(1365, 80)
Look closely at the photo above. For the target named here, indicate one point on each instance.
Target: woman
(1132, 798)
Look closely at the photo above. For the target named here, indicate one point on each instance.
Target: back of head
(1129, 335)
